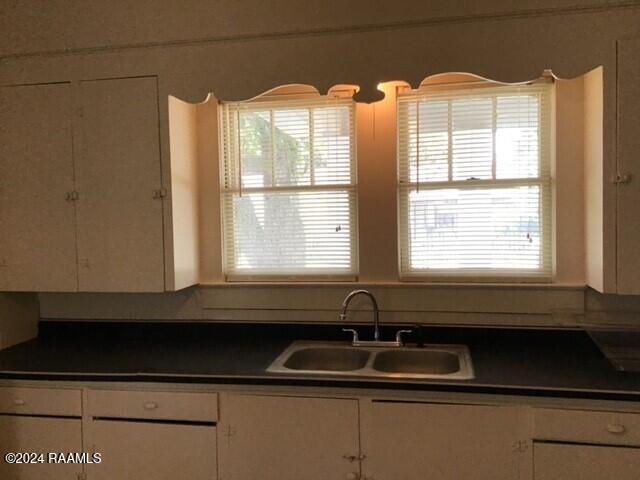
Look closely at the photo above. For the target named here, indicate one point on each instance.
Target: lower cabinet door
(288, 438)
(557, 461)
(424, 441)
(132, 450)
(39, 435)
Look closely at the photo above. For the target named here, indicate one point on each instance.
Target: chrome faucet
(376, 342)
(376, 312)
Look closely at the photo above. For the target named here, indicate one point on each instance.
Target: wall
(239, 49)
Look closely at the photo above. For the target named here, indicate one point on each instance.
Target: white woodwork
(184, 192)
(210, 219)
(628, 224)
(593, 179)
(37, 244)
(152, 451)
(120, 241)
(585, 462)
(184, 406)
(282, 438)
(414, 441)
(569, 46)
(40, 401)
(611, 428)
(39, 435)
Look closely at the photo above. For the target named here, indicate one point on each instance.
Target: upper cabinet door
(37, 223)
(628, 262)
(120, 230)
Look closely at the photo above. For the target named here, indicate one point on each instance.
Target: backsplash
(523, 305)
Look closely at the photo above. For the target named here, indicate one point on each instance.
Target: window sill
(397, 284)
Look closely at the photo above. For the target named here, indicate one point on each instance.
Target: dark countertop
(563, 363)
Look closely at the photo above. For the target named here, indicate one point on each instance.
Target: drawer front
(41, 401)
(195, 407)
(557, 461)
(608, 428)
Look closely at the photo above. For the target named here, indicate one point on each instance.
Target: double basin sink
(446, 362)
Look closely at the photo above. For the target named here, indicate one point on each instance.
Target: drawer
(41, 401)
(193, 407)
(607, 428)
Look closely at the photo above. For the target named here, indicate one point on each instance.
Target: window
(475, 182)
(289, 188)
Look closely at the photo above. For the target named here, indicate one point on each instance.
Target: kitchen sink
(423, 361)
(327, 359)
(446, 362)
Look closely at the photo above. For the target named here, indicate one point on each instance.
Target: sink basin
(423, 362)
(446, 362)
(327, 359)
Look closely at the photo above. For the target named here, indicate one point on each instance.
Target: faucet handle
(354, 333)
(399, 334)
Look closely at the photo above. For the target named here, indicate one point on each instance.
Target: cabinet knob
(18, 402)
(351, 476)
(150, 405)
(616, 428)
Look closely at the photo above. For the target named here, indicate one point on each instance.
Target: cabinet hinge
(72, 196)
(621, 178)
(160, 193)
(520, 446)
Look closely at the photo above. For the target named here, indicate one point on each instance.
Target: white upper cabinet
(37, 222)
(118, 177)
(628, 186)
(81, 198)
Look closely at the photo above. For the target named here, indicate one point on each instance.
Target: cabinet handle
(150, 406)
(616, 429)
(18, 402)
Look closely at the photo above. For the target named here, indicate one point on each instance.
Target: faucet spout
(376, 312)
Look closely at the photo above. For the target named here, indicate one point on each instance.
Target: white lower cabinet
(41, 435)
(171, 435)
(423, 441)
(558, 461)
(39, 421)
(133, 450)
(146, 435)
(288, 438)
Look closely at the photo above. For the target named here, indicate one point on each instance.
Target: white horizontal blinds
(475, 182)
(288, 188)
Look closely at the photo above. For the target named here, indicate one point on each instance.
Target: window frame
(545, 180)
(273, 102)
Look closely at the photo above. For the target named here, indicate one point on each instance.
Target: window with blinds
(288, 187)
(475, 182)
